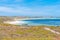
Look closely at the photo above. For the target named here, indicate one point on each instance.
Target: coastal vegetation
(14, 32)
(19, 32)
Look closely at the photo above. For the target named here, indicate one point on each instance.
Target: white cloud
(14, 10)
(40, 11)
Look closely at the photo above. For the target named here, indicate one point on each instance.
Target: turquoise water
(55, 22)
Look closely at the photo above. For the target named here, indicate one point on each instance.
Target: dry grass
(11, 32)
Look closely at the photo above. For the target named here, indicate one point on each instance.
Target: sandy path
(46, 28)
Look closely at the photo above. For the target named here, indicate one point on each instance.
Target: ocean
(50, 22)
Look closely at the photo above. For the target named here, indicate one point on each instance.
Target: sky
(29, 7)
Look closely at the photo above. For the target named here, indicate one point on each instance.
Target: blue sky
(29, 7)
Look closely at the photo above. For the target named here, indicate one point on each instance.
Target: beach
(36, 21)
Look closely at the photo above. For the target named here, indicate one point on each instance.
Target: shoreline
(34, 18)
(21, 22)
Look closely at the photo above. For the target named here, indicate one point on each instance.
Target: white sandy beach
(15, 22)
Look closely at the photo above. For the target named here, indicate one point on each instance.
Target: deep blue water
(55, 22)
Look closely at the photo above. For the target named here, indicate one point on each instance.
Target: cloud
(14, 10)
(37, 11)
